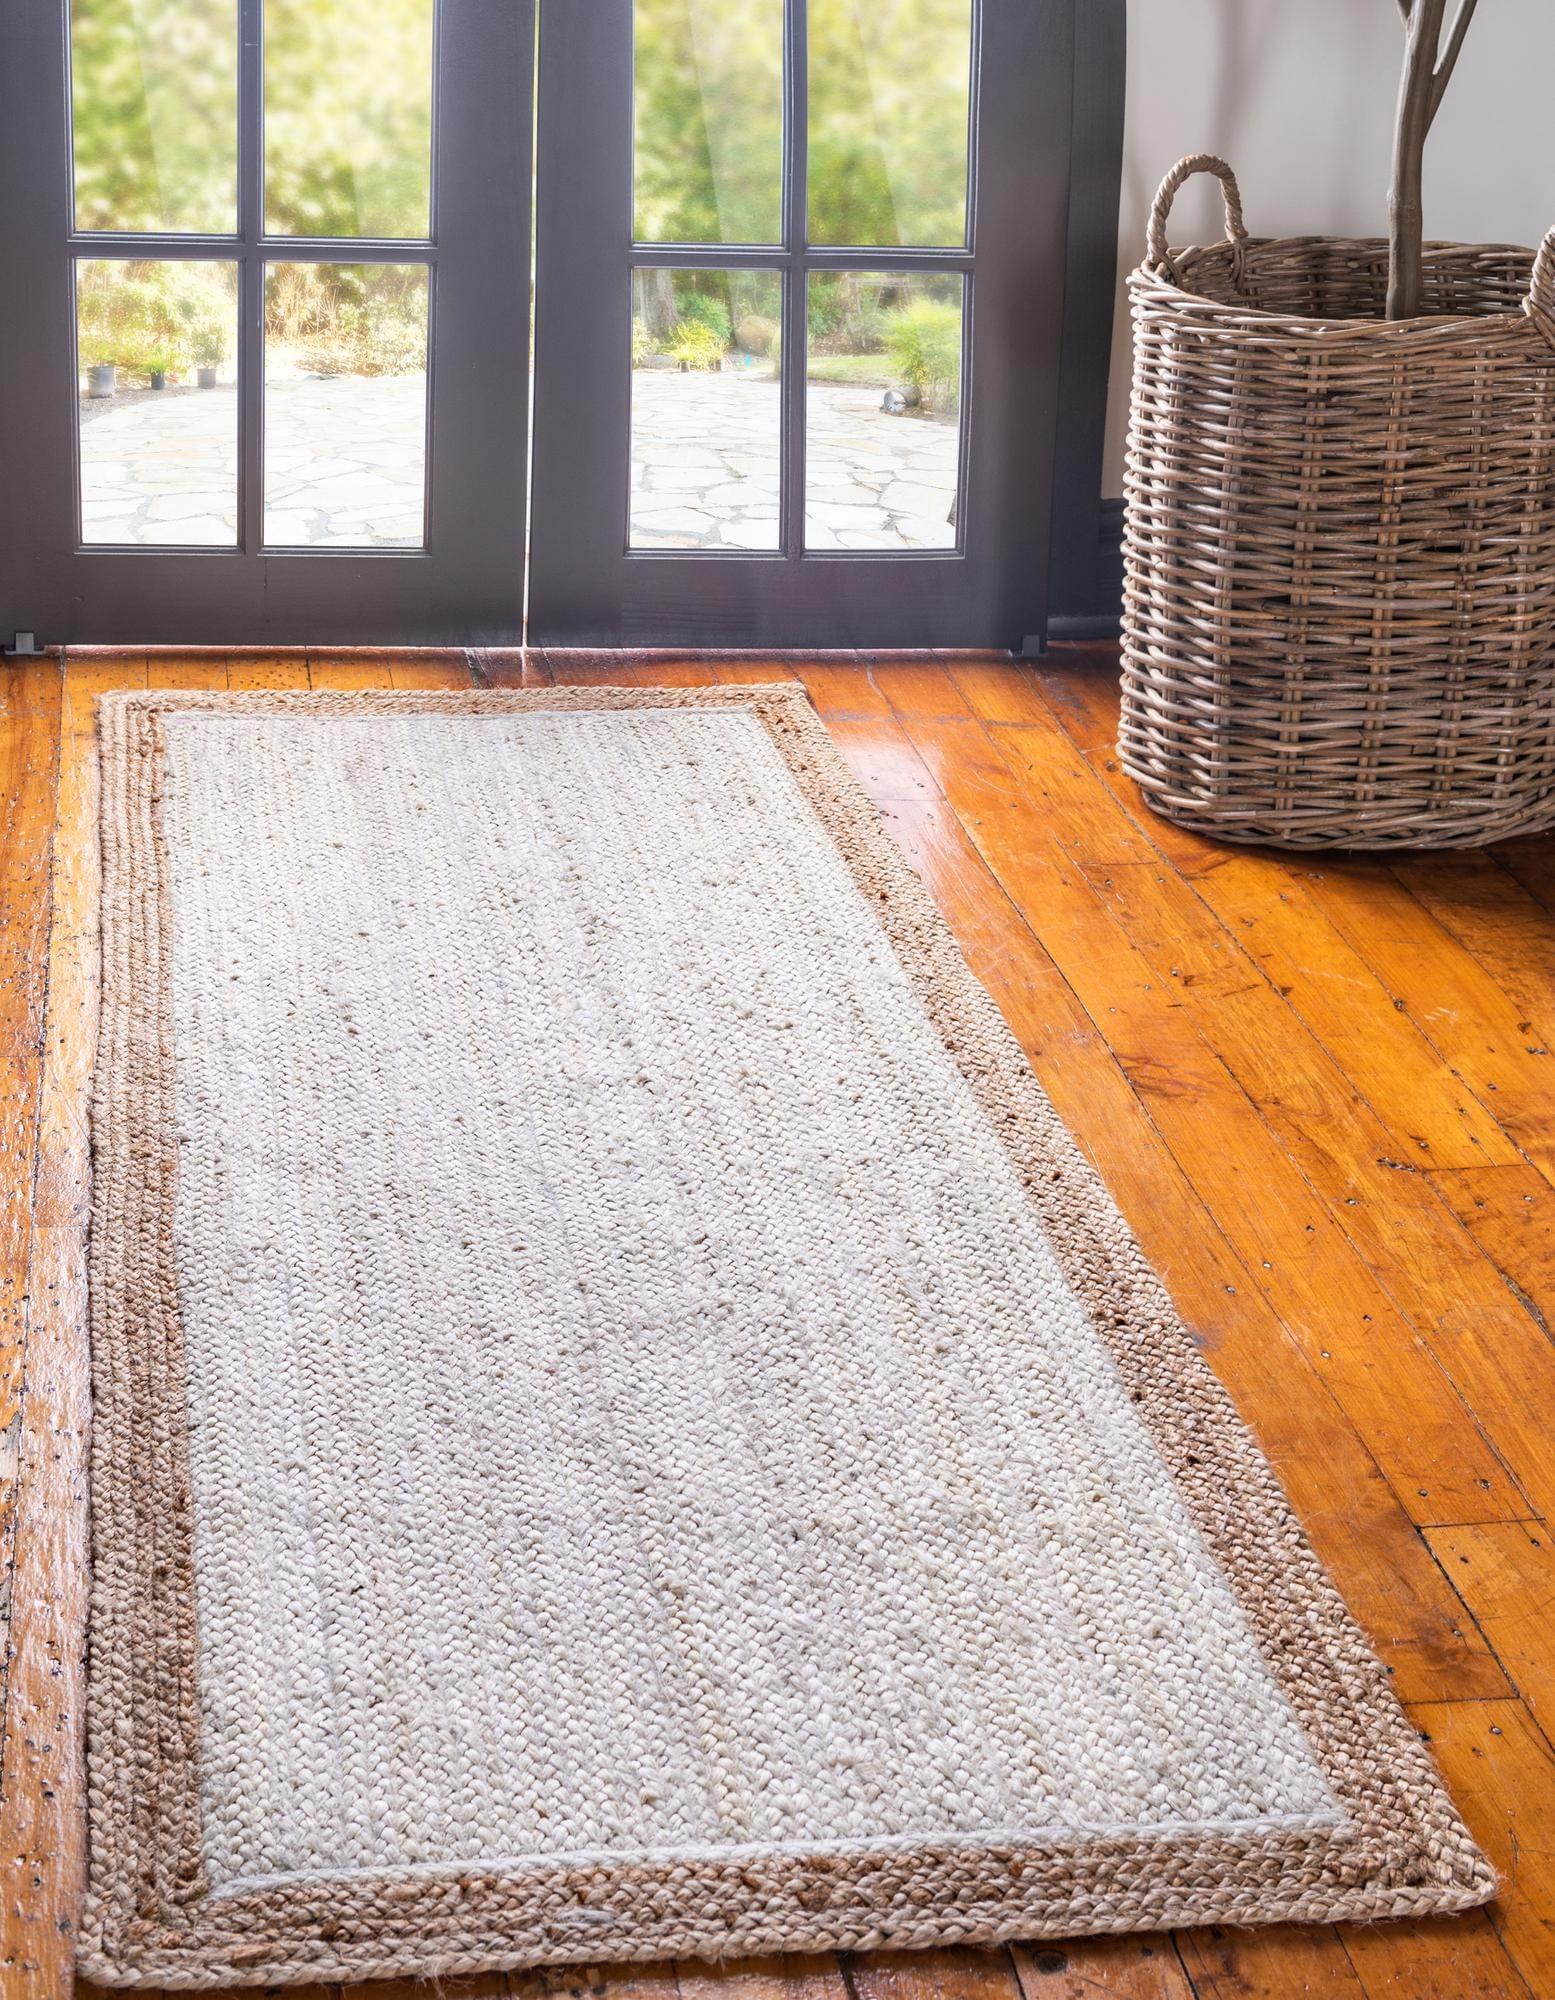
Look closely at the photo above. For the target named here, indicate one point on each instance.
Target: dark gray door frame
(466, 586)
(1086, 597)
(585, 588)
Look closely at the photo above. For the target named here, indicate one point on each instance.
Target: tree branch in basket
(1428, 68)
(1449, 57)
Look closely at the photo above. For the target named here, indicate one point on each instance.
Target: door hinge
(23, 646)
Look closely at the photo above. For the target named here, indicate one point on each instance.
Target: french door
(799, 286)
(800, 290)
(263, 368)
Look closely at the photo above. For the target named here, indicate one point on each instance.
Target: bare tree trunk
(1406, 206)
(1428, 67)
(654, 301)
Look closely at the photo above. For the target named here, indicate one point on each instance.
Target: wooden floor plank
(346, 673)
(1447, 993)
(579, 666)
(513, 667)
(971, 1973)
(429, 671)
(1452, 1958)
(678, 670)
(42, 1812)
(1435, 1119)
(30, 701)
(1505, 1573)
(468, 1986)
(745, 672)
(1501, 1770)
(816, 1976)
(1510, 1213)
(1126, 1968)
(1272, 1964)
(102, 673)
(185, 667)
(1497, 922)
(252, 672)
(841, 689)
(1531, 863)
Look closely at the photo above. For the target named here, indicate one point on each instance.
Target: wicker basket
(1340, 542)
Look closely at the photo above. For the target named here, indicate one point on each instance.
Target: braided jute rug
(624, 1425)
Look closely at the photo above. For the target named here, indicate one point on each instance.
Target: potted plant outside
(109, 314)
(102, 380)
(209, 351)
(201, 314)
(1339, 623)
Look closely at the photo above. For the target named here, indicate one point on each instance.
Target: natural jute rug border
(151, 1918)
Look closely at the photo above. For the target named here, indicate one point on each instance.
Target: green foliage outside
(700, 309)
(348, 319)
(865, 328)
(885, 331)
(697, 318)
(924, 343)
(348, 143)
(695, 345)
(157, 318)
(709, 134)
(757, 334)
(889, 84)
(154, 106)
(348, 117)
(888, 94)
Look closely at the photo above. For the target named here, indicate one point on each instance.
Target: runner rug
(624, 1425)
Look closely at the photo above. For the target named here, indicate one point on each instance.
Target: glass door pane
(889, 97)
(158, 402)
(348, 118)
(345, 406)
(706, 418)
(883, 410)
(154, 115)
(708, 97)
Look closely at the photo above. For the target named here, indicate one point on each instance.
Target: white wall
(1298, 95)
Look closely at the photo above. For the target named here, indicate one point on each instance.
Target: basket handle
(1156, 253)
(1540, 302)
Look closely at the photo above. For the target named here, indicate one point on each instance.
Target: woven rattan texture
(1354, 1821)
(1339, 622)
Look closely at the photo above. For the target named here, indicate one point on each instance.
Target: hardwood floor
(1323, 1091)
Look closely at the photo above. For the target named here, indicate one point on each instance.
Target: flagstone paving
(344, 458)
(343, 464)
(705, 466)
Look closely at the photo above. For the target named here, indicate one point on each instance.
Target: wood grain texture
(42, 1828)
(1319, 1092)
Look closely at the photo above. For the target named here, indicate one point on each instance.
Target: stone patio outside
(705, 466)
(345, 458)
